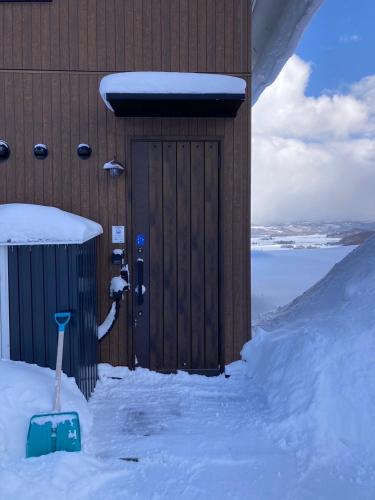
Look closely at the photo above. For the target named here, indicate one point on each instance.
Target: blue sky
(340, 43)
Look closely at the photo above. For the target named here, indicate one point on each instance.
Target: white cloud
(349, 39)
(313, 158)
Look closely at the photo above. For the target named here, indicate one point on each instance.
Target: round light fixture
(40, 151)
(4, 150)
(84, 151)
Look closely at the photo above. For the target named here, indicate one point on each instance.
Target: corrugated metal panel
(46, 279)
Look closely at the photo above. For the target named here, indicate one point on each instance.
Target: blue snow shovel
(56, 431)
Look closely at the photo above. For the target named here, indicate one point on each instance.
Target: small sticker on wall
(118, 234)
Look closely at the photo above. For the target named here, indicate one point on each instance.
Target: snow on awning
(149, 93)
(277, 28)
(23, 224)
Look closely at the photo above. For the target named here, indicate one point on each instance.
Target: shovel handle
(60, 348)
(62, 319)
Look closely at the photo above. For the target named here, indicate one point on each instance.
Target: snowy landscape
(292, 420)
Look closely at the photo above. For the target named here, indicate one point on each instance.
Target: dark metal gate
(175, 212)
(43, 280)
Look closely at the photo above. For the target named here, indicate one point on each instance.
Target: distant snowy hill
(334, 229)
(314, 361)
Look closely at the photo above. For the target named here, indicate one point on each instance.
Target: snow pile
(315, 363)
(36, 224)
(26, 390)
(164, 82)
(277, 29)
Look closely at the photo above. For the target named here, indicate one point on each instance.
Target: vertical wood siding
(52, 57)
(113, 35)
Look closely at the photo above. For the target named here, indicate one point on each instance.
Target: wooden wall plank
(175, 36)
(156, 35)
(166, 22)
(110, 61)
(64, 34)
(229, 31)
(7, 36)
(17, 35)
(83, 34)
(193, 35)
(220, 36)
(37, 117)
(101, 37)
(138, 35)
(45, 38)
(2, 15)
(46, 133)
(129, 34)
(9, 128)
(24, 134)
(57, 162)
(184, 36)
(74, 30)
(55, 36)
(36, 39)
(202, 38)
(120, 35)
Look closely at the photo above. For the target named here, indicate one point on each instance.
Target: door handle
(140, 289)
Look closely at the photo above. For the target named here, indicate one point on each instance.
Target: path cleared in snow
(194, 437)
(199, 438)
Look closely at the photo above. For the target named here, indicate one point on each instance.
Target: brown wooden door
(175, 238)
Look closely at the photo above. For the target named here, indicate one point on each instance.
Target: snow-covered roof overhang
(149, 93)
(277, 26)
(23, 224)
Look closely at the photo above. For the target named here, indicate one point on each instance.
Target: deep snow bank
(315, 362)
(26, 390)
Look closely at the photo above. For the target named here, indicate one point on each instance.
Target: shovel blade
(52, 432)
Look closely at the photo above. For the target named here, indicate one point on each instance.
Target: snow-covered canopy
(277, 28)
(22, 224)
(164, 82)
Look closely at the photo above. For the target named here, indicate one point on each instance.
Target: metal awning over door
(175, 233)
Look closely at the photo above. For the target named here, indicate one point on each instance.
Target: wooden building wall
(52, 57)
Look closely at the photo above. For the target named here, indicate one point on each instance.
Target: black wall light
(84, 151)
(114, 168)
(40, 151)
(4, 150)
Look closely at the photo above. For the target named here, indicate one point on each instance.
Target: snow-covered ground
(278, 276)
(294, 421)
(175, 437)
(314, 361)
